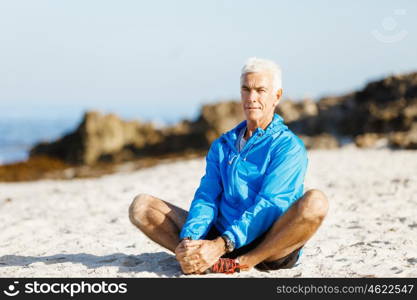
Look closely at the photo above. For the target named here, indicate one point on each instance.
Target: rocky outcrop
(216, 119)
(367, 140)
(107, 138)
(294, 111)
(404, 139)
(388, 105)
(318, 124)
(321, 141)
(384, 109)
(98, 137)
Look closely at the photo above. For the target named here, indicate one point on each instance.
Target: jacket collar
(276, 125)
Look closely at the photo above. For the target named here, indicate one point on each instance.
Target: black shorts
(286, 262)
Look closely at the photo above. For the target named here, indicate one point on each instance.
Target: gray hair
(256, 65)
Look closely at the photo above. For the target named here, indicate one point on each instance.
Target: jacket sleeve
(204, 207)
(282, 185)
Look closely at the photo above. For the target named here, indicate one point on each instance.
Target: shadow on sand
(159, 263)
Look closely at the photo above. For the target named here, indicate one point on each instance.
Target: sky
(162, 60)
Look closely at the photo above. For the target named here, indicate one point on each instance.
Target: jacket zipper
(250, 145)
(230, 162)
(233, 164)
(234, 159)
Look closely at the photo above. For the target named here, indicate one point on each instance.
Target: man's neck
(251, 126)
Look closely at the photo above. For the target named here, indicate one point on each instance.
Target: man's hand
(184, 253)
(196, 256)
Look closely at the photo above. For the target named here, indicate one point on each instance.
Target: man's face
(258, 96)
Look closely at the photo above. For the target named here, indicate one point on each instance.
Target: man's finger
(191, 243)
(193, 261)
(191, 247)
(202, 267)
(188, 268)
(202, 270)
(182, 247)
(196, 269)
(186, 252)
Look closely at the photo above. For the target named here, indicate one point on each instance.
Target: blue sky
(163, 59)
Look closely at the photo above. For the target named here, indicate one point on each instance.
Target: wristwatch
(228, 244)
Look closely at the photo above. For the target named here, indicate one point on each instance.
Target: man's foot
(227, 266)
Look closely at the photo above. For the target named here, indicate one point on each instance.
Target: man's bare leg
(291, 231)
(158, 219)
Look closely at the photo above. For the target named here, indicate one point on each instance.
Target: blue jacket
(243, 194)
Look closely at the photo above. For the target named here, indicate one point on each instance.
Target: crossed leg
(162, 223)
(159, 220)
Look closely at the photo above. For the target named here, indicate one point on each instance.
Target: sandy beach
(80, 228)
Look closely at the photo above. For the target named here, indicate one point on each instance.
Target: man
(249, 210)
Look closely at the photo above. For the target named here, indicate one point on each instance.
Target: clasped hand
(196, 256)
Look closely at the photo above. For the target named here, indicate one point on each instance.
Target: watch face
(229, 245)
(232, 246)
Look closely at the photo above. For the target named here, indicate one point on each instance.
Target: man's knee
(314, 206)
(138, 209)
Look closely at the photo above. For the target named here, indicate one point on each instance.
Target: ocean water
(18, 135)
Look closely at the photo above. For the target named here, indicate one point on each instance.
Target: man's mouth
(252, 108)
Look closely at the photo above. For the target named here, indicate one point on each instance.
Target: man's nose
(252, 96)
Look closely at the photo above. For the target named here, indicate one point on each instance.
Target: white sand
(80, 228)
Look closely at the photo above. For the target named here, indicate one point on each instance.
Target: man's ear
(278, 96)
